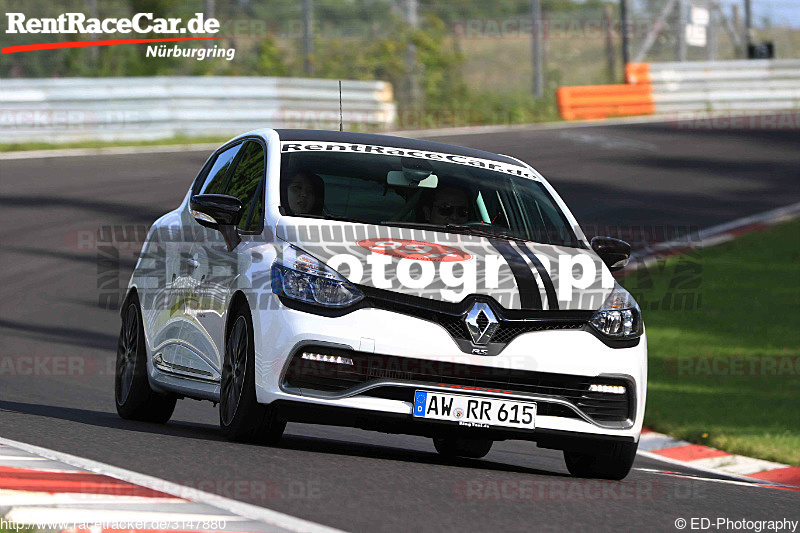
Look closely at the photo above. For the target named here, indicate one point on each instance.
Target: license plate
(474, 411)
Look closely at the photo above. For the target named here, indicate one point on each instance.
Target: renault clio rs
(389, 284)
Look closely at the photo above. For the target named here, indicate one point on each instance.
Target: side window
(547, 222)
(246, 183)
(217, 177)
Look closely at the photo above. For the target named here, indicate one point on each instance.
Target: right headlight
(301, 277)
(619, 317)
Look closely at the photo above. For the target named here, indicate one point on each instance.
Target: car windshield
(399, 190)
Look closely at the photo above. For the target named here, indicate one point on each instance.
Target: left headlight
(619, 317)
(299, 276)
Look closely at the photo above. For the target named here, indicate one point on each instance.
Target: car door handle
(193, 263)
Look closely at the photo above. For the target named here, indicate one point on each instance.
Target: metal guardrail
(74, 109)
(746, 85)
(660, 88)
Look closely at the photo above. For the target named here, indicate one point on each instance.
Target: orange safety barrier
(637, 73)
(602, 101)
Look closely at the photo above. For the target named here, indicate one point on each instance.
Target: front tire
(454, 447)
(241, 417)
(133, 396)
(615, 463)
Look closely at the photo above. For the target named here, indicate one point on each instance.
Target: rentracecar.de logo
(67, 23)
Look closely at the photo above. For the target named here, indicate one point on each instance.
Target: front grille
(337, 378)
(455, 327)
(508, 330)
(451, 315)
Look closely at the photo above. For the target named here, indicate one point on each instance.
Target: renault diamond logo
(481, 323)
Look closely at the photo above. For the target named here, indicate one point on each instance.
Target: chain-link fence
(697, 30)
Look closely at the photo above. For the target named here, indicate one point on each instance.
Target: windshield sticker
(306, 146)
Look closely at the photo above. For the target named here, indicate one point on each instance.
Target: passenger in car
(306, 194)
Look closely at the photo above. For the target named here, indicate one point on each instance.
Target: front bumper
(577, 354)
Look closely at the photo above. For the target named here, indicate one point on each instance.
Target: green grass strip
(723, 327)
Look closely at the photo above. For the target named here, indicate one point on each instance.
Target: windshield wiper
(401, 224)
(476, 230)
(332, 217)
(461, 228)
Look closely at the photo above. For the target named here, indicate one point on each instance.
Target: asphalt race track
(651, 174)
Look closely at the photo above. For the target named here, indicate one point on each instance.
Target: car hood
(450, 267)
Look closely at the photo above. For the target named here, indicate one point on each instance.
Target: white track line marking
(17, 498)
(737, 464)
(64, 515)
(657, 441)
(712, 236)
(760, 484)
(242, 509)
(701, 468)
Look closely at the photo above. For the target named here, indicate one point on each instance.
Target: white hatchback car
(389, 284)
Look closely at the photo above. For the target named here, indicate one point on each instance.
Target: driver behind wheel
(446, 205)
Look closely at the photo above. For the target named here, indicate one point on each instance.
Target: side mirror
(614, 252)
(220, 212)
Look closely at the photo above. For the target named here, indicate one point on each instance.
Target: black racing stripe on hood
(526, 282)
(549, 287)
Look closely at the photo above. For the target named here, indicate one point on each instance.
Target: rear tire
(241, 417)
(455, 447)
(616, 463)
(133, 396)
